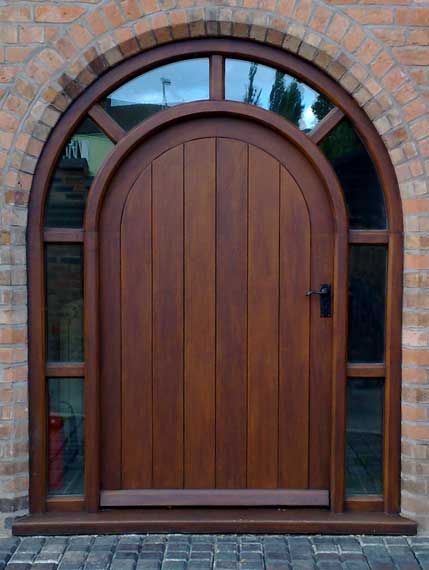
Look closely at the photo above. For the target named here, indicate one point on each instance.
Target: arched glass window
(85, 152)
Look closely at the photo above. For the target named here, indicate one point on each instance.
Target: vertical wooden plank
(231, 317)
(136, 303)
(294, 335)
(110, 352)
(199, 196)
(263, 316)
(320, 365)
(167, 199)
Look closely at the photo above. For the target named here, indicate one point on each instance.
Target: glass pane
(271, 89)
(64, 302)
(66, 436)
(358, 177)
(165, 86)
(367, 290)
(81, 158)
(364, 471)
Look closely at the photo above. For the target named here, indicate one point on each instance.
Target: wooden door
(216, 366)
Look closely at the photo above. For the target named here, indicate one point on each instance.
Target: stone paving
(214, 552)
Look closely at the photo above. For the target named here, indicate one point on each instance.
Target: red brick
(51, 59)
(8, 34)
(96, 23)
(367, 51)
(382, 64)
(113, 15)
(354, 38)
(7, 73)
(303, 10)
(416, 261)
(412, 16)
(394, 78)
(132, 9)
(15, 14)
(338, 27)
(17, 54)
(320, 18)
(415, 109)
(390, 36)
(66, 47)
(16, 104)
(80, 35)
(150, 6)
(31, 34)
(419, 37)
(366, 15)
(285, 7)
(416, 358)
(126, 41)
(58, 14)
(412, 55)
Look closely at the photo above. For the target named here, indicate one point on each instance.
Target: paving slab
(214, 552)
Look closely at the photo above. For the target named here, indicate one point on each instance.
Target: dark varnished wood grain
(136, 331)
(295, 521)
(167, 188)
(200, 313)
(231, 314)
(263, 320)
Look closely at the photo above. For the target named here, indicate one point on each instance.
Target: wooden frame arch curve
(87, 103)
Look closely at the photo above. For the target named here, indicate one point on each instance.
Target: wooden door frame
(334, 194)
(87, 103)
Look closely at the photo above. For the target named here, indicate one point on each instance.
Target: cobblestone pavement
(207, 552)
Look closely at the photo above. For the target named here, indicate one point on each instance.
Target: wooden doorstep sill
(195, 520)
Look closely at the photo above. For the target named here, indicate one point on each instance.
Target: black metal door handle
(325, 299)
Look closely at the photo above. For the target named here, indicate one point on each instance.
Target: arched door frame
(87, 104)
(335, 197)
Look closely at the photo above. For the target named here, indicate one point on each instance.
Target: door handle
(325, 295)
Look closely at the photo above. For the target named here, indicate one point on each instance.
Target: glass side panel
(367, 297)
(364, 457)
(65, 436)
(274, 90)
(80, 161)
(165, 86)
(64, 302)
(356, 172)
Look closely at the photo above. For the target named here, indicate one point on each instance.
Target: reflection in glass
(165, 86)
(65, 436)
(358, 177)
(79, 163)
(367, 294)
(364, 457)
(274, 90)
(64, 302)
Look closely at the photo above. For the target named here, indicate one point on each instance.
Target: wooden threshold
(215, 498)
(195, 520)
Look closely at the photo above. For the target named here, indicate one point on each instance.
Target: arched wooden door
(215, 364)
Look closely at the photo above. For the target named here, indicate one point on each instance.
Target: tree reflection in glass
(274, 90)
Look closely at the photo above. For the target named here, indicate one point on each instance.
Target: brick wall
(51, 50)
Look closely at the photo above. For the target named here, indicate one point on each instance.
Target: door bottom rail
(215, 498)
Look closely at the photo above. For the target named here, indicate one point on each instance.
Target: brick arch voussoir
(307, 37)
